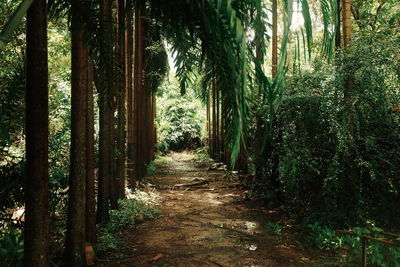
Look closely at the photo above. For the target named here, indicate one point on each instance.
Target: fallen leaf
(157, 257)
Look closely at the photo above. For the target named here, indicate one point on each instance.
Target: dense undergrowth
(131, 212)
(138, 207)
(325, 178)
(181, 119)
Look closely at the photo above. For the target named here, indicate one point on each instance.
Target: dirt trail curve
(205, 225)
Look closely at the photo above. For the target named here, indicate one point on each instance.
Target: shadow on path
(205, 222)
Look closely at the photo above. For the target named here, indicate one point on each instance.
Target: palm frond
(14, 22)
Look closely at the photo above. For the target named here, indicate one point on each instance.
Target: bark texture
(90, 228)
(105, 108)
(129, 88)
(75, 237)
(274, 37)
(121, 133)
(139, 97)
(36, 231)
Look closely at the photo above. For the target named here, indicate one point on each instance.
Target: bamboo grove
(117, 50)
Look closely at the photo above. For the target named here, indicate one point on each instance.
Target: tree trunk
(274, 37)
(139, 97)
(129, 87)
(222, 131)
(121, 145)
(214, 123)
(347, 29)
(105, 99)
(75, 237)
(208, 125)
(36, 230)
(90, 165)
(217, 139)
(113, 161)
(146, 125)
(259, 161)
(338, 41)
(153, 126)
(347, 32)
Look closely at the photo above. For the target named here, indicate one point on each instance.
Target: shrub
(130, 212)
(11, 247)
(180, 120)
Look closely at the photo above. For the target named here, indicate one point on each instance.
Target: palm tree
(75, 236)
(105, 108)
(129, 87)
(139, 94)
(347, 30)
(36, 231)
(121, 76)
(274, 37)
(90, 229)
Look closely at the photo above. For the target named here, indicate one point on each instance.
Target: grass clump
(131, 212)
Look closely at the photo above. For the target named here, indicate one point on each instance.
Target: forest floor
(206, 221)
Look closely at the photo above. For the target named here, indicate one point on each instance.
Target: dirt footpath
(205, 222)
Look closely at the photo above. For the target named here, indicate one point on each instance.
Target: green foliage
(156, 58)
(12, 75)
(202, 154)
(130, 213)
(12, 184)
(11, 247)
(180, 119)
(319, 168)
(272, 228)
(151, 169)
(323, 237)
(378, 254)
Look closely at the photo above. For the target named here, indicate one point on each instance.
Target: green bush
(326, 174)
(378, 254)
(180, 119)
(323, 237)
(11, 247)
(130, 212)
(272, 228)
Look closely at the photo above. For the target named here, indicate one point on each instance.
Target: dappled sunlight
(205, 221)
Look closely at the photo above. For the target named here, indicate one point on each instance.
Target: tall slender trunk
(75, 236)
(259, 157)
(347, 28)
(139, 97)
(146, 124)
(338, 41)
(115, 78)
(208, 126)
(347, 32)
(274, 37)
(113, 154)
(90, 165)
(153, 126)
(106, 125)
(36, 230)
(217, 139)
(121, 145)
(129, 88)
(222, 131)
(214, 123)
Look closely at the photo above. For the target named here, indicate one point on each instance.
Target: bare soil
(206, 222)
